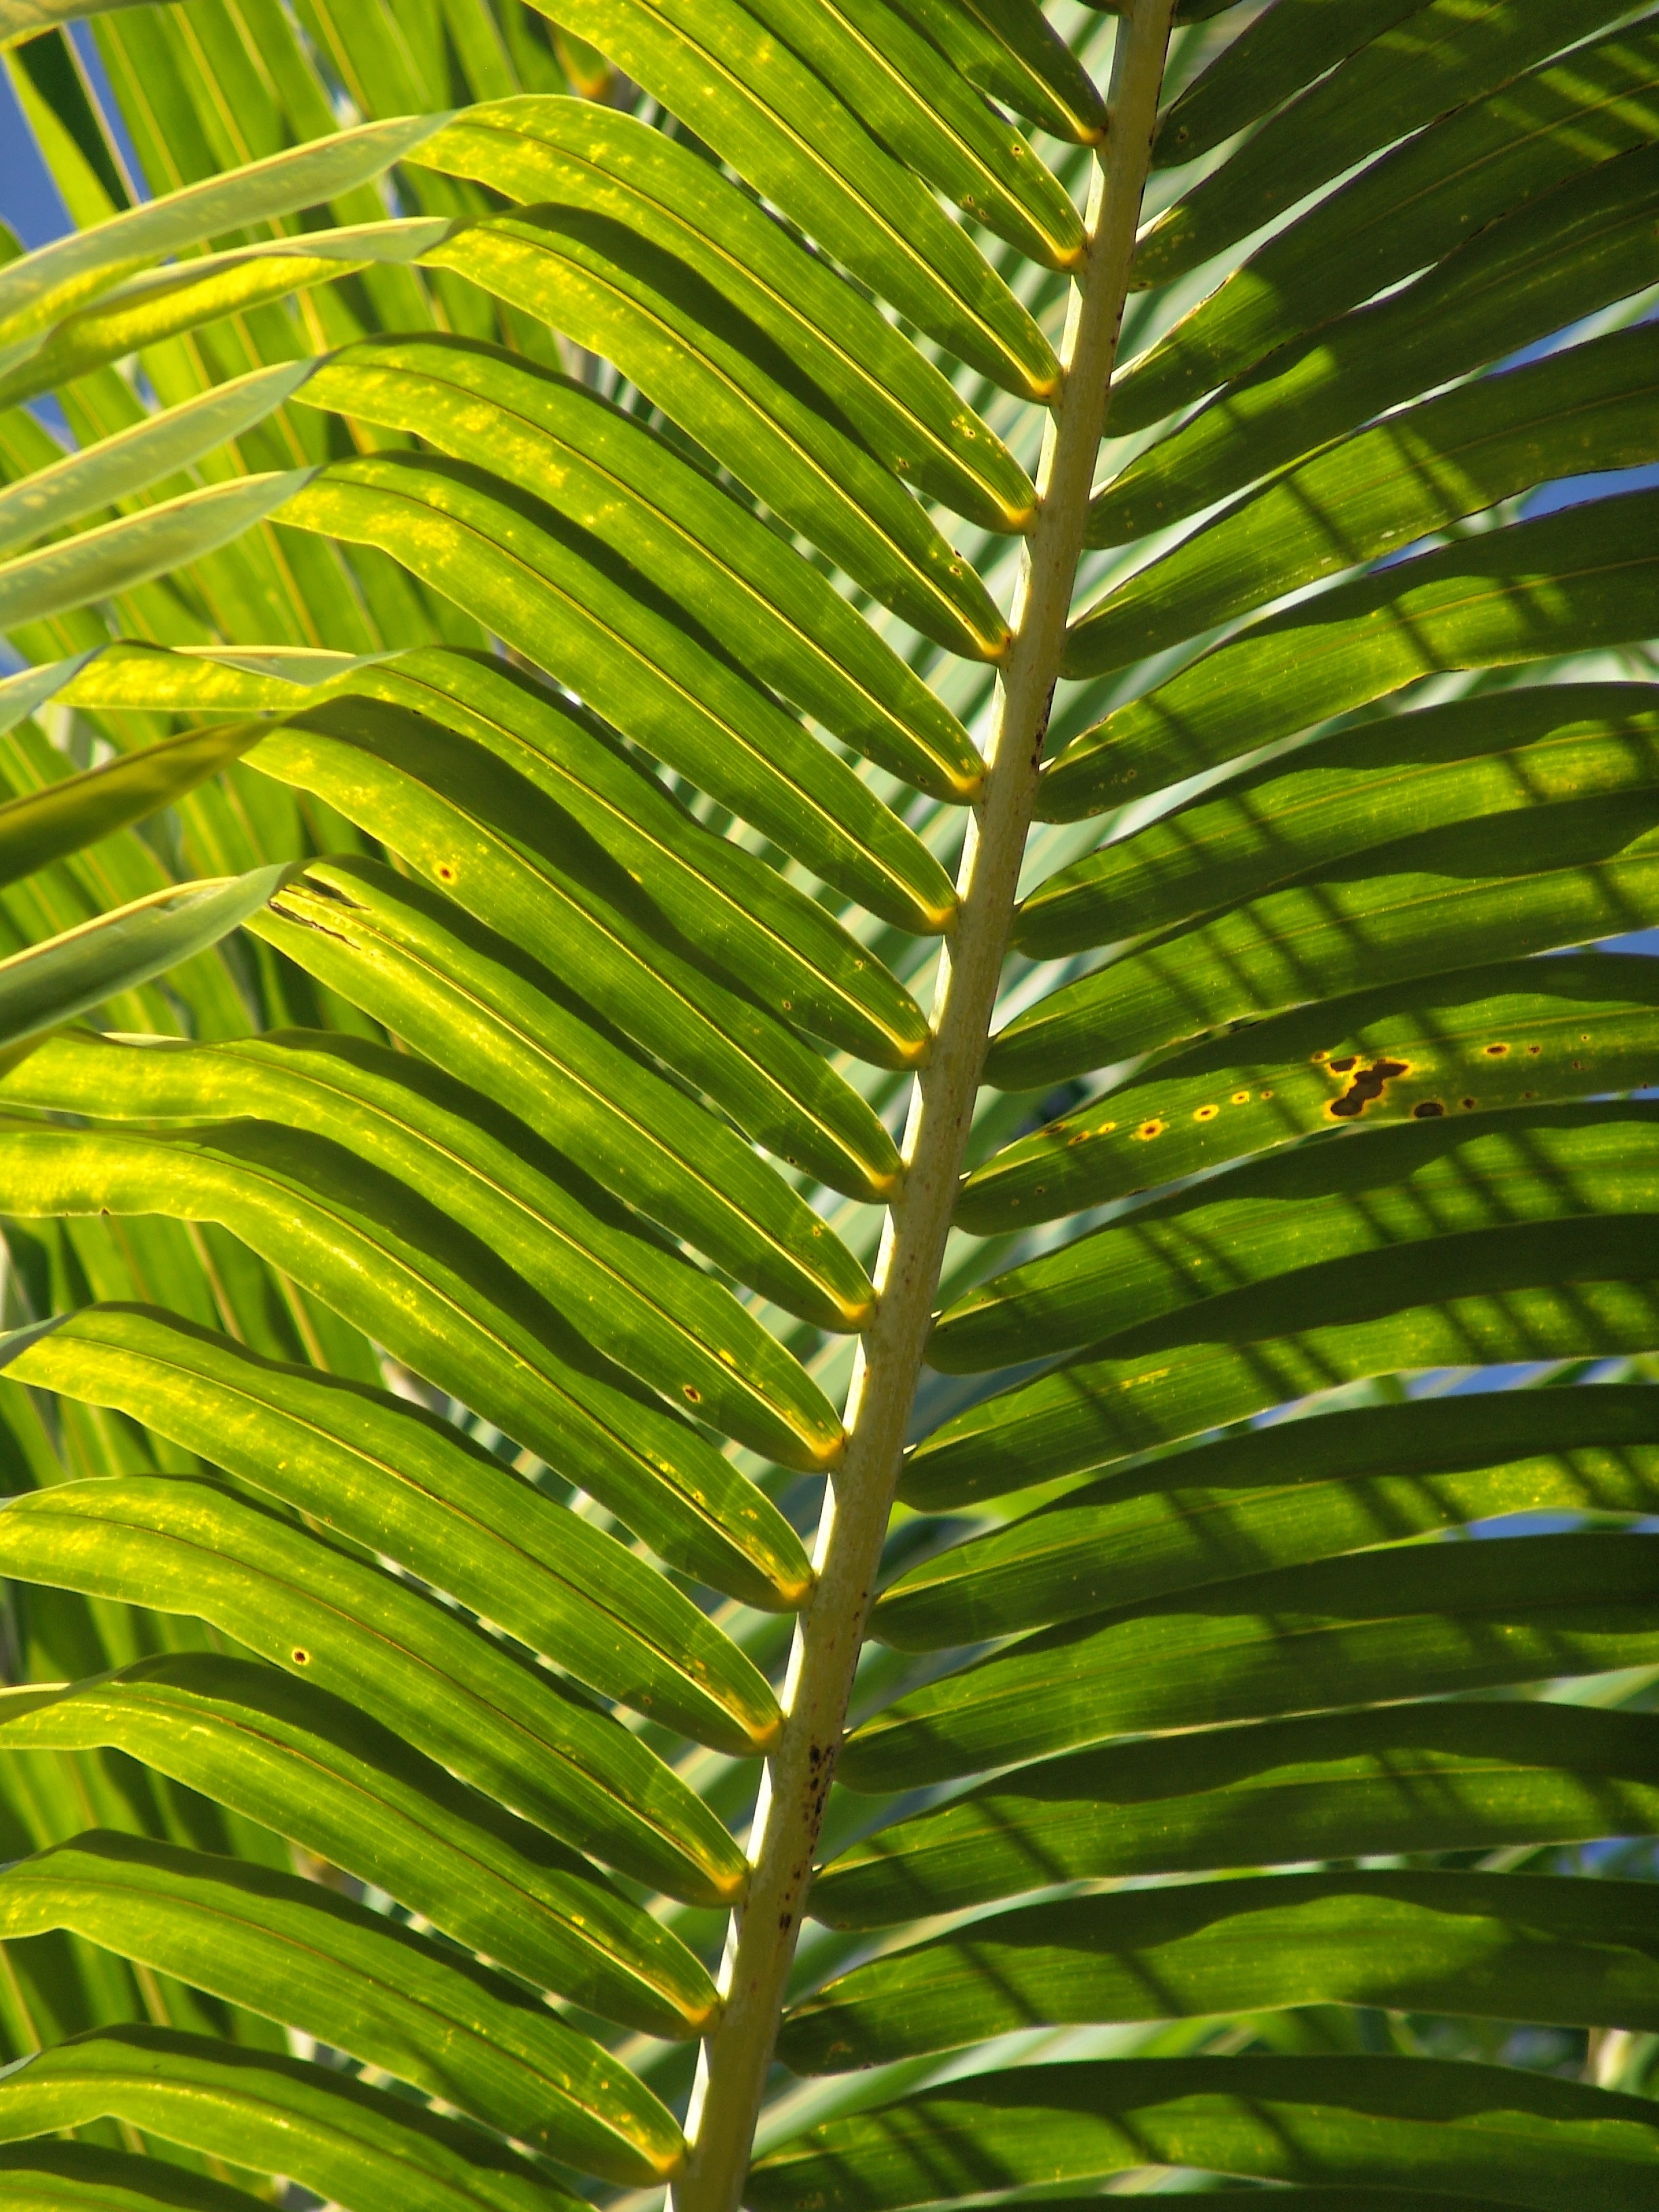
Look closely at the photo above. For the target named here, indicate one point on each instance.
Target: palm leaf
(929, 829)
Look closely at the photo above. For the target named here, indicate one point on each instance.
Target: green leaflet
(1545, 2143)
(1423, 1621)
(1403, 212)
(512, 1730)
(180, 297)
(1335, 1232)
(56, 2177)
(134, 459)
(700, 547)
(435, 1295)
(1562, 875)
(387, 1475)
(45, 284)
(1441, 55)
(603, 287)
(1589, 408)
(1503, 1036)
(121, 555)
(215, 680)
(516, 861)
(1267, 1497)
(1567, 582)
(1404, 1777)
(43, 826)
(1091, 1414)
(1508, 1947)
(327, 2129)
(800, 141)
(559, 595)
(665, 1320)
(52, 983)
(302, 1763)
(636, 196)
(909, 97)
(1388, 778)
(354, 1979)
(473, 1005)
(1287, 46)
(778, 943)
(1010, 49)
(1526, 276)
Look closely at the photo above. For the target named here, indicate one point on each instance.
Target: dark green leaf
(1591, 408)
(1403, 212)
(43, 826)
(1521, 279)
(1422, 1778)
(1421, 1622)
(55, 2176)
(1336, 1232)
(67, 976)
(1557, 875)
(1297, 1489)
(1566, 582)
(1092, 1414)
(1549, 2144)
(1504, 1036)
(1389, 779)
(1287, 46)
(1442, 55)
(1502, 1946)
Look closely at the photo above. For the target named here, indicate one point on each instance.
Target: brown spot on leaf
(1241, 1098)
(1468, 1105)
(1497, 1051)
(1148, 1130)
(693, 1396)
(1100, 1129)
(1206, 1113)
(301, 1658)
(1348, 1062)
(1366, 1088)
(1427, 1109)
